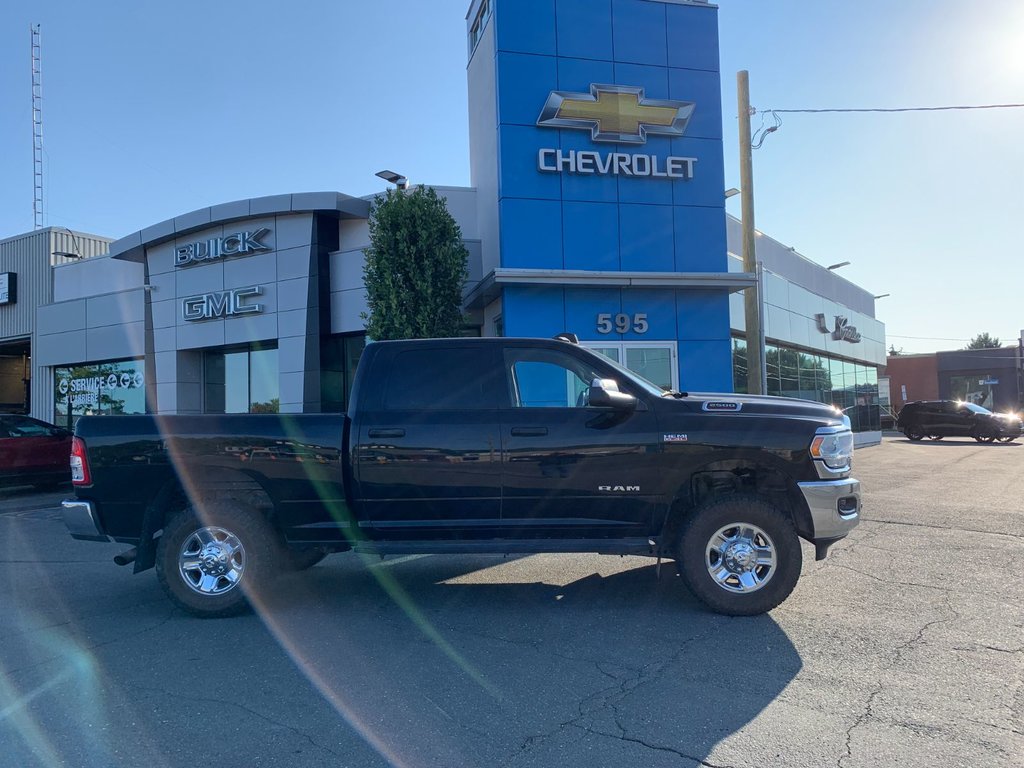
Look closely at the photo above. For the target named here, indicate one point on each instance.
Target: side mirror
(604, 393)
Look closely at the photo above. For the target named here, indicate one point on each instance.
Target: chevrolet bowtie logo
(618, 113)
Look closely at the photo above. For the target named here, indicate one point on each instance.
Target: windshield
(977, 408)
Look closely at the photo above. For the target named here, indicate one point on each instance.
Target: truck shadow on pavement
(471, 661)
(961, 442)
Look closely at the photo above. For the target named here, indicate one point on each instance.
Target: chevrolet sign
(620, 114)
(616, 113)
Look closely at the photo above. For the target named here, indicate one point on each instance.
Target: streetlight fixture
(74, 242)
(882, 295)
(840, 264)
(731, 192)
(394, 178)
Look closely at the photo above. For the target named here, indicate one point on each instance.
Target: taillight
(79, 463)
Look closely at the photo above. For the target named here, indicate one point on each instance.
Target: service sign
(94, 386)
(8, 287)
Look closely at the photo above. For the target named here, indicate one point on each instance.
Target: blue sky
(152, 109)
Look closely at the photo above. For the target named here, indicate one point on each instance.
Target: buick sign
(237, 244)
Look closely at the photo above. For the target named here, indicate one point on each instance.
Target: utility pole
(752, 295)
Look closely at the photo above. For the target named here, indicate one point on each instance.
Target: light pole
(394, 178)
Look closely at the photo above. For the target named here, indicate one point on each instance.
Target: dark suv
(951, 418)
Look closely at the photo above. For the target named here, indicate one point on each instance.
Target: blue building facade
(596, 147)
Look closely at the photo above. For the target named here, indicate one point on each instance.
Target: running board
(642, 546)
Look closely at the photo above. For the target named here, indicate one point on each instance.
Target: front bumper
(834, 506)
(82, 521)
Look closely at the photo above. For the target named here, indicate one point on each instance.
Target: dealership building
(596, 206)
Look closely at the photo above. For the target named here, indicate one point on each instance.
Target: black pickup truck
(474, 446)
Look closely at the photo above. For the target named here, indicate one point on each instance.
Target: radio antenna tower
(37, 131)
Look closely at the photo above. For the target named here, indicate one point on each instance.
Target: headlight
(834, 449)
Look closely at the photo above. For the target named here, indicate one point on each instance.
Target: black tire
(694, 560)
(913, 433)
(935, 437)
(302, 559)
(1008, 438)
(984, 436)
(256, 564)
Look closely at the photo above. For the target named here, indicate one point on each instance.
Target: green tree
(983, 341)
(415, 267)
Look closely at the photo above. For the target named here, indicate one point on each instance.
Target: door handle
(529, 431)
(386, 432)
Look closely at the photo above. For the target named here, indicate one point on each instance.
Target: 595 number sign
(622, 323)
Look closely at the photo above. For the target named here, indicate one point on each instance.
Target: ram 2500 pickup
(495, 445)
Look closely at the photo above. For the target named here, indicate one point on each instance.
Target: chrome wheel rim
(740, 558)
(211, 561)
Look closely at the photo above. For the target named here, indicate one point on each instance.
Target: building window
(656, 361)
(339, 357)
(98, 389)
(241, 379)
(851, 387)
(977, 388)
(477, 30)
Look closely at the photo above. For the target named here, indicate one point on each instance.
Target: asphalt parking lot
(905, 647)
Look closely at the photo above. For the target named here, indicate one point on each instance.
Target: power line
(925, 338)
(958, 107)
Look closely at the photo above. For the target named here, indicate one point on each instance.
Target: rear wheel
(935, 437)
(739, 555)
(212, 563)
(913, 433)
(1008, 438)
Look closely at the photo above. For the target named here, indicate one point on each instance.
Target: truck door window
(548, 379)
(440, 379)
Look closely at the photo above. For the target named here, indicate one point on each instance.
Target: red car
(33, 452)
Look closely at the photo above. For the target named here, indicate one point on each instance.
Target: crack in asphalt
(996, 727)
(612, 697)
(897, 658)
(945, 528)
(105, 643)
(655, 747)
(944, 590)
(979, 647)
(243, 708)
(538, 646)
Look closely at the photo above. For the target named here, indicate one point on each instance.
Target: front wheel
(739, 555)
(985, 436)
(214, 562)
(1008, 438)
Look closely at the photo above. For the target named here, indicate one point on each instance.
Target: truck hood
(764, 405)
